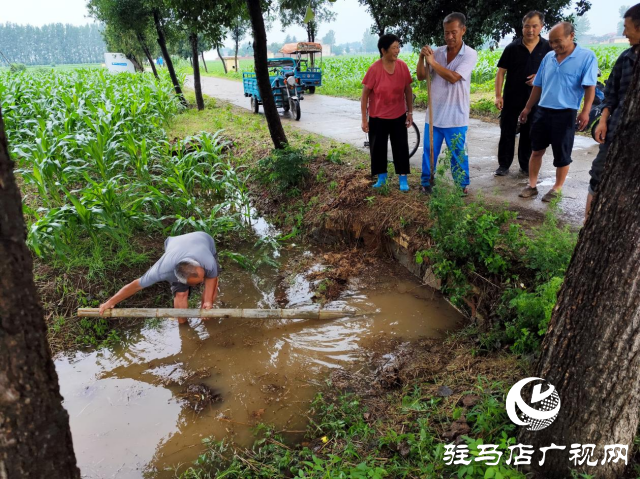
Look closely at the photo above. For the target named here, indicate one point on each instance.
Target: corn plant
(95, 161)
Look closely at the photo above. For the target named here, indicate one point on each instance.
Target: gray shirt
(198, 246)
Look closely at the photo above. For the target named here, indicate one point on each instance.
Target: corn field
(95, 162)
(342, 75)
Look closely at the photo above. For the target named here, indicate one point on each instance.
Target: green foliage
(470, 240)
(17, 67)
(467, 238)
(284, 170)
(484, 106)
(549, 250)
(93, 155)
(531, 312)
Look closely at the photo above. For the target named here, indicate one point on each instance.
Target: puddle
(129, 405)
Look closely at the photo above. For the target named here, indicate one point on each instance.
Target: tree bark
(136, 64)
(591, 352)
(236, 55)
(167, 58)
(147, 53)
(262, 75)
(224, 65)
(35, 439)
(197, 85)
(204, 63)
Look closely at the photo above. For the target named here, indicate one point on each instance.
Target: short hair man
(451, 66)
(520, 61)
(615, 93)
(566, 74)
(188, 260)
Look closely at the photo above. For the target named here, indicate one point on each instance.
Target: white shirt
(451, 101)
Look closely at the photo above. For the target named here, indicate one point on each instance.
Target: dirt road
(339, 118)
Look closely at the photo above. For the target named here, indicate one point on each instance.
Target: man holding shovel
(450, 67)
(188, 260)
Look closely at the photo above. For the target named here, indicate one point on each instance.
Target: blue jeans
(456, 142)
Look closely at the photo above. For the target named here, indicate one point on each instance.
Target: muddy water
(128, 418)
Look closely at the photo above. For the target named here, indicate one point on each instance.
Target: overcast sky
(351, 21)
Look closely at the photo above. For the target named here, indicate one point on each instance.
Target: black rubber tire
(295, 109)
(311, 90)
(255, 106)
(413, 148)
(414, 142)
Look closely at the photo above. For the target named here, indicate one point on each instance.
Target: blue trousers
(456, 142)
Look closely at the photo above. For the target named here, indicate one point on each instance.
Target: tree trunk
(136, 64)
(197, 86)
(167, 59)
(35, 439)
(204, 63)
(591, 352)
(147, 53)
(224, 65)
(236, 56)
(262, 74)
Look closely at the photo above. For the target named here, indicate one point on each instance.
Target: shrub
(285, 170)
(17, 67)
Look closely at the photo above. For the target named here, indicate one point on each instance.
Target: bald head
(564, 28)
(561, 38)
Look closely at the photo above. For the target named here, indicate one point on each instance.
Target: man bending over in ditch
(188, 260)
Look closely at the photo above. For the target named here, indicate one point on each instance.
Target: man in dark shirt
(614, 94)
(520, 60)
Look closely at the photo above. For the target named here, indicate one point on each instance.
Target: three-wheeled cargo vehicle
(306, 70)
(287, 89)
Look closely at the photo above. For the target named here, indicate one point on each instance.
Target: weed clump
(284, 171)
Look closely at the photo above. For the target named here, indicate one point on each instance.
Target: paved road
(339, 118)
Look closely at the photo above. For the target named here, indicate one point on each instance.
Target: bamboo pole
(431, 158)
(214, 313)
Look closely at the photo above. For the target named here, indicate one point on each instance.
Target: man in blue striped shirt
(566, 74)
(614, 95)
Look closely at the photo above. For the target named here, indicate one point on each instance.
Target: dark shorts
(180, 288)
(597, 167)
(556, 128)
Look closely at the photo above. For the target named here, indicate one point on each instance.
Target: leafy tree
(295, 12)
(51, 44)
(582, 26)
(202, 17)
(338, 49)
(329, 38)
(275, 47)
(238, 29)
(419, 22)
(382, 12)
(622, 10)
(369, 41)
(128, 28)
(163, 23)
